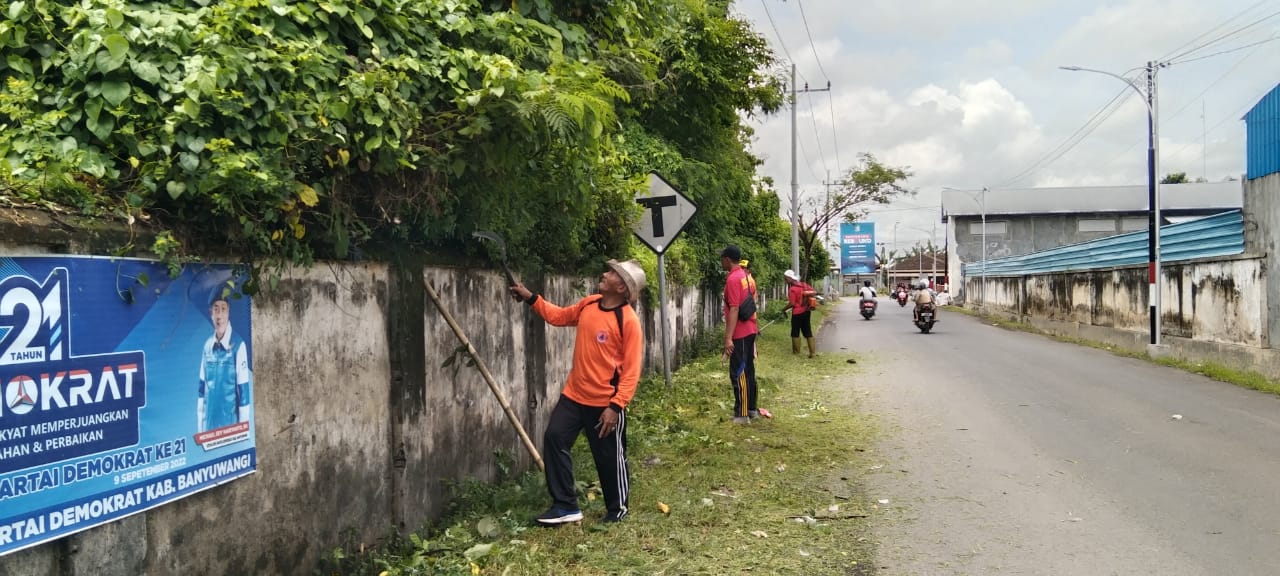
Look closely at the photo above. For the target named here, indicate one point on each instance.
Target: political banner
(858, 248)
(124, 388)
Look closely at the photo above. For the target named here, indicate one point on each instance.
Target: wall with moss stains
(361, 427)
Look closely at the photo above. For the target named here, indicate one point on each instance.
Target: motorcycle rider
(925, 297)
(866, 293)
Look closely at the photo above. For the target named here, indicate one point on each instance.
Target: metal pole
(933, 255)
(827, 208)
(1153, 184)
(1153, 190)
(983, 205)
(662, 318)
(795, 187)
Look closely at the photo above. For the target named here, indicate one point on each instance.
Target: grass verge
(777, 496)
(1214, 370)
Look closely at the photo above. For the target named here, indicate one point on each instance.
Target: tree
(869, 182)
(1175, 178)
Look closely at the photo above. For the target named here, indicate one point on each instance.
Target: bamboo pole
(488, 377)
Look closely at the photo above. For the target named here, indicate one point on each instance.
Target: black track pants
(568, 420)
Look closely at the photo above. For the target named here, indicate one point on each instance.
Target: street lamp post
(893, 252)
(1153, 190)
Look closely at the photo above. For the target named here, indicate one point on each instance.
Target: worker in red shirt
(799, 296)
(740, 336)
(607, 354)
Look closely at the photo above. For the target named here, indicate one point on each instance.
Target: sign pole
(666, 211)
(662, 317)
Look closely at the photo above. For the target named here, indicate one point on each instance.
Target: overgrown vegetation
(282, 131)
(741, 499)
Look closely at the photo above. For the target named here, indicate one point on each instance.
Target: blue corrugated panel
(1262, 126)
(1218, 235)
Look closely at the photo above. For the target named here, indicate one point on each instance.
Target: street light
(894, 252)
(982, 208)
(1153, 190)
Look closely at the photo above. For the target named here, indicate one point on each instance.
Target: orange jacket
(606, 360)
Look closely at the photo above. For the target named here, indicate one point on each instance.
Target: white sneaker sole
(561, 520)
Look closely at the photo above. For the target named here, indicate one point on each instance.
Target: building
(913, 269)
(1262, 198)
(1025, 220)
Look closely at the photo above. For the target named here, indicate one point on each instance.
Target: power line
(811, 45)
(1103, 113)
(816, 136)
(1236, 49)
(1199, 96)
(831, 107)
(1206, 33)
(808, 164)
(1225, 36)
(778, 34)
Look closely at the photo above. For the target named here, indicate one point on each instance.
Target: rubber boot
(795, 345)
(813, 347)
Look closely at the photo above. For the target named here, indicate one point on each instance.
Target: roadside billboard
(858, 248)
(123, 389)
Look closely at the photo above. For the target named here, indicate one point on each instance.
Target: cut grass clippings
(777, 496)
(1214, 370)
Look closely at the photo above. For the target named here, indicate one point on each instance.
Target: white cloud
(969, 94)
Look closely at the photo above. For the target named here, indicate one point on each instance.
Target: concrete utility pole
(795, 185)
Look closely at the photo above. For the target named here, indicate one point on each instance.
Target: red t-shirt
(738, 287)
(796, 297)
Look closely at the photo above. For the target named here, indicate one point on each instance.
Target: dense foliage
(285, 130)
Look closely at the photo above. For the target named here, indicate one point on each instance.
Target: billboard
(122, 389)
(857, 248)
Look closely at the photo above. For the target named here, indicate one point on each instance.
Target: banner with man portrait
(123, 388)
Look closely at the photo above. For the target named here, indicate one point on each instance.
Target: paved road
(1009, 453)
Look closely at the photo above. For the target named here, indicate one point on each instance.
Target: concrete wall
(360, 427)
(1220, 301)
(1262, 236)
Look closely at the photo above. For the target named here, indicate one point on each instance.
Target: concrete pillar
(1262, 237)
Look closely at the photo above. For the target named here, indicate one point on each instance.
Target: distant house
(913, 269)
(1025, 220)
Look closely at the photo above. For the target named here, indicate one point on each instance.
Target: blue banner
(123, 389)
(858, 248)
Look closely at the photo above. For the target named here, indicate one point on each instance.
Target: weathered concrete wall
(1221, 301)
(360, 426)
(1262, 236)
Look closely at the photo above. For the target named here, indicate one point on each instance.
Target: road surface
(1010, 453)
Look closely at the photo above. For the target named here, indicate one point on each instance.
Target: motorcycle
(926, 319)
(902, 298)
(868, 309)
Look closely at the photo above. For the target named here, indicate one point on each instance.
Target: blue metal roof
(1218, 235)
(1262, 126)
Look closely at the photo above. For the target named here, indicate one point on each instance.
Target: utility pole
(1153, 189)
(1153, 186)
(795, 185)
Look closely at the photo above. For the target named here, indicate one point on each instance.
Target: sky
(969, 93)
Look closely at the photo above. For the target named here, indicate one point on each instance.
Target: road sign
(666, 211)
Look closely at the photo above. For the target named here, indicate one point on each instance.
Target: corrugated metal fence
(1262, 123)
(1218, 235)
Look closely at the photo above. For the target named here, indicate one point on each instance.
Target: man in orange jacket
(607, 354)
